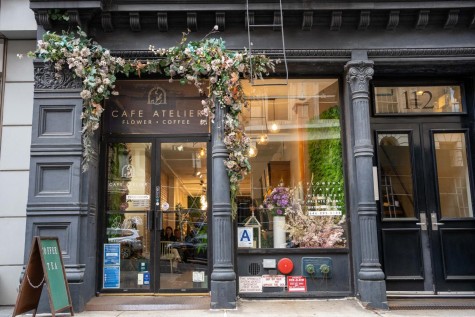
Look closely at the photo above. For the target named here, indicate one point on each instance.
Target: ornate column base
(373, 293)
(223, 295)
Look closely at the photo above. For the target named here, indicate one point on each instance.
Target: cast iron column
(371, 284)
(223, 277)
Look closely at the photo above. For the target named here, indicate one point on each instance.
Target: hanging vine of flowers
(215, 71)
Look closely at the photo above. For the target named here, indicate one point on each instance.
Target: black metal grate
(254, 268)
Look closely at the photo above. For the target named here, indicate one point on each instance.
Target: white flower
(20, 56)
(100, 90)
(115, 93)
(85, 94)
(216, 27)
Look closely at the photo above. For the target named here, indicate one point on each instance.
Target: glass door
(155, 231)
(450, 205)
(426, 207)
(128, 242)
(183, 216)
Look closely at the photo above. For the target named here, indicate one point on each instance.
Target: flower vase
(279, 232)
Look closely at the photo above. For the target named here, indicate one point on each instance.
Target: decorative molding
(221, 21)
(423, 52)
(277, 21)
(45, 78)
(134, 20)
(365, 19)
(359, 73)
(336, 22)
(336, 53)
(472, 22)
(74, 18)
(42, 18)
(106, 21)
(423, 19)
(452, 19)
(162, 20)
(192, 21)
(307, 21)
(251, 20)
(393, 20)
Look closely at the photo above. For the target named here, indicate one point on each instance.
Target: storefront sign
(296, 284)
(273, 280)
(111, 254)
(137, 197)
(112, 276)
(45, 267)
(245, 237)
(324, 212)
(250, 284)
(146, 278)
(155, 107)
(198, 276)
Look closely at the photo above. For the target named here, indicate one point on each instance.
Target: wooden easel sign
(45, 266)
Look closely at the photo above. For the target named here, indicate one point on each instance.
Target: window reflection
(421, 99)
(452, 175)
(395, 169)
(128, 200)
(294, 196)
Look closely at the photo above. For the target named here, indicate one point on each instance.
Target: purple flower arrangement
(278, 200)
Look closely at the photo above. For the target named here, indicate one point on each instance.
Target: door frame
(425, 181)
(156, 141)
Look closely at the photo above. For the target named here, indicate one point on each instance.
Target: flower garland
(193, 62)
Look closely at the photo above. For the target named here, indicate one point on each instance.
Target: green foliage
(189, 62)
(325, 152)
(58, 15)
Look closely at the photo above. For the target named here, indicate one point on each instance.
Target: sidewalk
(283, 308)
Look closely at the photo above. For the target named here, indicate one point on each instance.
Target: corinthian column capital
(358, 75)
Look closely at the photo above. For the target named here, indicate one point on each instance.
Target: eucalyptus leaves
(207, 64)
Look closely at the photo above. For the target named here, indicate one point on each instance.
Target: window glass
(420, 99)
(128, 202)
(453, 175)
(395, 168)
(294, 195)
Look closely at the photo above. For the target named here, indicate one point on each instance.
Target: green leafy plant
(215, 71)
(58, 15)
(326, 156)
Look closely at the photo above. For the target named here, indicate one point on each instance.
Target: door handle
(433, 220)
(423, 222)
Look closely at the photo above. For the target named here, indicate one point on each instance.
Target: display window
(294, 196)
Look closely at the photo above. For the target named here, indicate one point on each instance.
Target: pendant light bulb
(263, 139)
(274, 128)
(252, 152)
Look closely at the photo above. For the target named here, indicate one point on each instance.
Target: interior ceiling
(182, 161)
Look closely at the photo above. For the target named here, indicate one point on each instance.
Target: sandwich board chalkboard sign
(45, 266)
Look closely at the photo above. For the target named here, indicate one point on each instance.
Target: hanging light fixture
(274, 128)
(201, 153)
(252, 152)
(263, 139)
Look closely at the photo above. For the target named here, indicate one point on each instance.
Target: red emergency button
(285, 265)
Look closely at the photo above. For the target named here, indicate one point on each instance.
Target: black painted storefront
(364, 44)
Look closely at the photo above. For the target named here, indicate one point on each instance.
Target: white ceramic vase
(279, 232)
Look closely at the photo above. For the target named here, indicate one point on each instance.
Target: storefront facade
(362, 138)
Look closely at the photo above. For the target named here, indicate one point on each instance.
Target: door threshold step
(431, 303)
(147, 302)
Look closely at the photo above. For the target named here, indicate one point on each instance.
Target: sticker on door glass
(165, 206)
